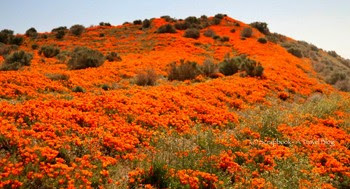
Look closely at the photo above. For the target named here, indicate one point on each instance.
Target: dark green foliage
(157, 176)
(192, 20)
(49, 51)
(246, 32)
(261, 26)
(251, 67)
(7, 49)
(209, 33)
(167, 28)
(148, 77)
(106, 87)
(216, 37)
(192, 33)
(137, 22)
(16, 60)
(83, 57)
(78, 89)
(220, 16)
(168, 18)
(17, 40)
(101, 35)
(35, 46)
(185, 71)
(215, 21)
(44, 36)
(59, 29)
(7, 37)
(31, 32)
(233, 30)
(113, 56)
(146, 23)
(295, 51)
(224, 39)
(229, 66)
(262, 40)
(105, 24)
(182, 25)
(237, 24)
(77, 29)
(59, 32)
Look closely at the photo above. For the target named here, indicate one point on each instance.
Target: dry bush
(148, 77)
(185, 71)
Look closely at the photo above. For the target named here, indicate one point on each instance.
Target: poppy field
(95, 127)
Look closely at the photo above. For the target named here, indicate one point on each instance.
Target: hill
(207, 102)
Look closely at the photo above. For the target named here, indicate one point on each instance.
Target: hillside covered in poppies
(206, 102)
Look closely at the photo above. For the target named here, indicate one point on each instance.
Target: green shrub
(182, 25)
(77, 29)
(31, 32)
(185, 71)
(6, 36)
(16, 60)
(261, 26)
(167, 28)
(113, 56)
(49, 51)
(168, 18)
(229, 66)
(104, 24)
(192, 20)
(237, 24)
(148, 77)
(215, 21)
(192, 33)
(137, 22)
(35, 46)
(78, 89)
(262, 40)
(83, 57)
(7, 49)
(209, 68)
(246, 32)
(59, 32)
(220, 16)
(251, 67)
(146, 23)
(233, 30)
(209, 33)
(295, 51)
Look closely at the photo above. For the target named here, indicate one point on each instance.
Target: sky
(324, 23)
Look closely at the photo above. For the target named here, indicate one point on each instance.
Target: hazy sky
(325, 23)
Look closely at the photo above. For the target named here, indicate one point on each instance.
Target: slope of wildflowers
(286, 129)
